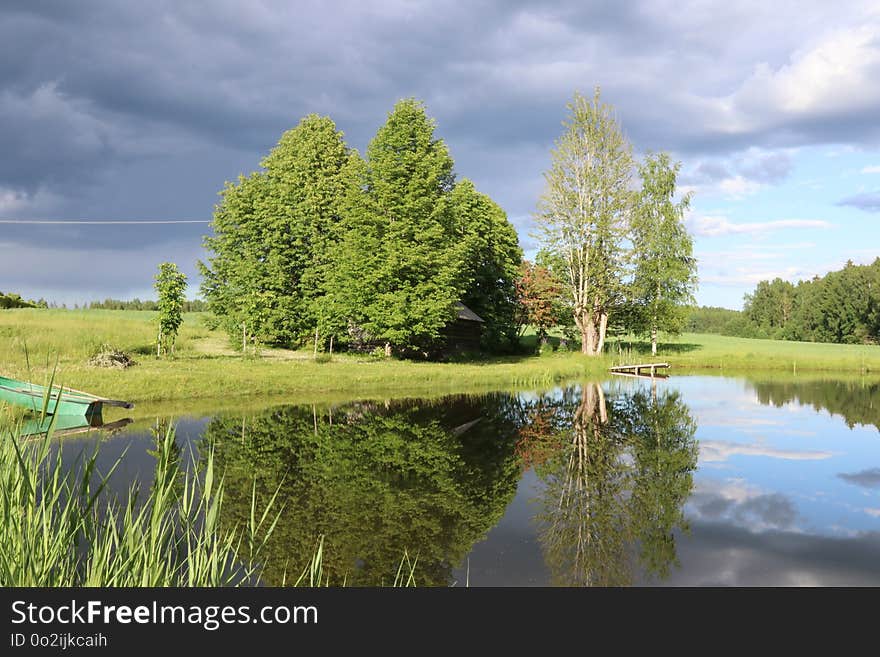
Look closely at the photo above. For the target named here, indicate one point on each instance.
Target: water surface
(686, 481)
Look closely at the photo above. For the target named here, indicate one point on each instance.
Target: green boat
(62, 400)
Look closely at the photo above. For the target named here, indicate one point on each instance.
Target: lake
(689, 481)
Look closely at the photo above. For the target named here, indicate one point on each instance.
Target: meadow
(35, 342)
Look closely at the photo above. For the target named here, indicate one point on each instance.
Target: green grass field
(693, 351)
(207, 368)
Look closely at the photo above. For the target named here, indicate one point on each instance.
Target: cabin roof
(467, 314)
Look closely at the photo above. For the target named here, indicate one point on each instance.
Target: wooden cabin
(463, 333)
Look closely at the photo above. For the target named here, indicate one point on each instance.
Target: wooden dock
(636, 370)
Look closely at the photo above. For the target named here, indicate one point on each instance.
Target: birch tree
(665, 270)
(582, 214)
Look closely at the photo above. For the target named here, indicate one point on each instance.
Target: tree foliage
(380, 249)
(13, 300)
(492, 260)
(664, 269)
(583, 213)
(538, 291)
(272, 234)
(400, 265)
(170, 288)
(843, 307)
(189, 305)
(617, 469)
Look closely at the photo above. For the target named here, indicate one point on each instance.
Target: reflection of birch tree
(615, 486)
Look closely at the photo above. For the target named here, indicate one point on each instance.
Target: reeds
(61, 526)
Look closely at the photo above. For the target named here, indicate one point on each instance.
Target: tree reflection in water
(376, 480)
(616, 473)
(431, 478)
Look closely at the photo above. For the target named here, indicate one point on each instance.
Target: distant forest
(194, 306)
(842, 307)
(12, 300)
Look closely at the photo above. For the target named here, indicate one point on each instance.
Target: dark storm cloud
(126, 110)
(869, 201)
(867, 478)
(773, 510)
(493, 71)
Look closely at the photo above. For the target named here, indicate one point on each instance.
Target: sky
(141, 111)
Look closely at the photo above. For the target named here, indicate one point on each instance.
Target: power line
(95, 222)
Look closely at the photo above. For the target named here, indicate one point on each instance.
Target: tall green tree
(583, 212)
(492, 262)
(272, 235)
(770, 307)
(401, 265)
(665, 270)
(171, 287)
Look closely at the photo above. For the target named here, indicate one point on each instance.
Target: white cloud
(715, 226)
(738, 187)
(871, 169)
(835, 76)
(873, 512)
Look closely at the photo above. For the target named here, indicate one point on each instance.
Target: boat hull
(62, 401)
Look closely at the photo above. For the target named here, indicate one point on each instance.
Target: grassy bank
(206, 368)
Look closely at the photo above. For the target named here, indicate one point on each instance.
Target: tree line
(841, 307)
(322, 243)
(187, 305)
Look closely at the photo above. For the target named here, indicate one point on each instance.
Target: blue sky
(806, 223)
(141, 111)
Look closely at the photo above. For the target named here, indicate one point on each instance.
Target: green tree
(272, 235)
(583, 212)
(493, 263)
(665, 270)
(842, 307)
(771, 307)
(661, 431)
(170, 287)
(401, 265)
